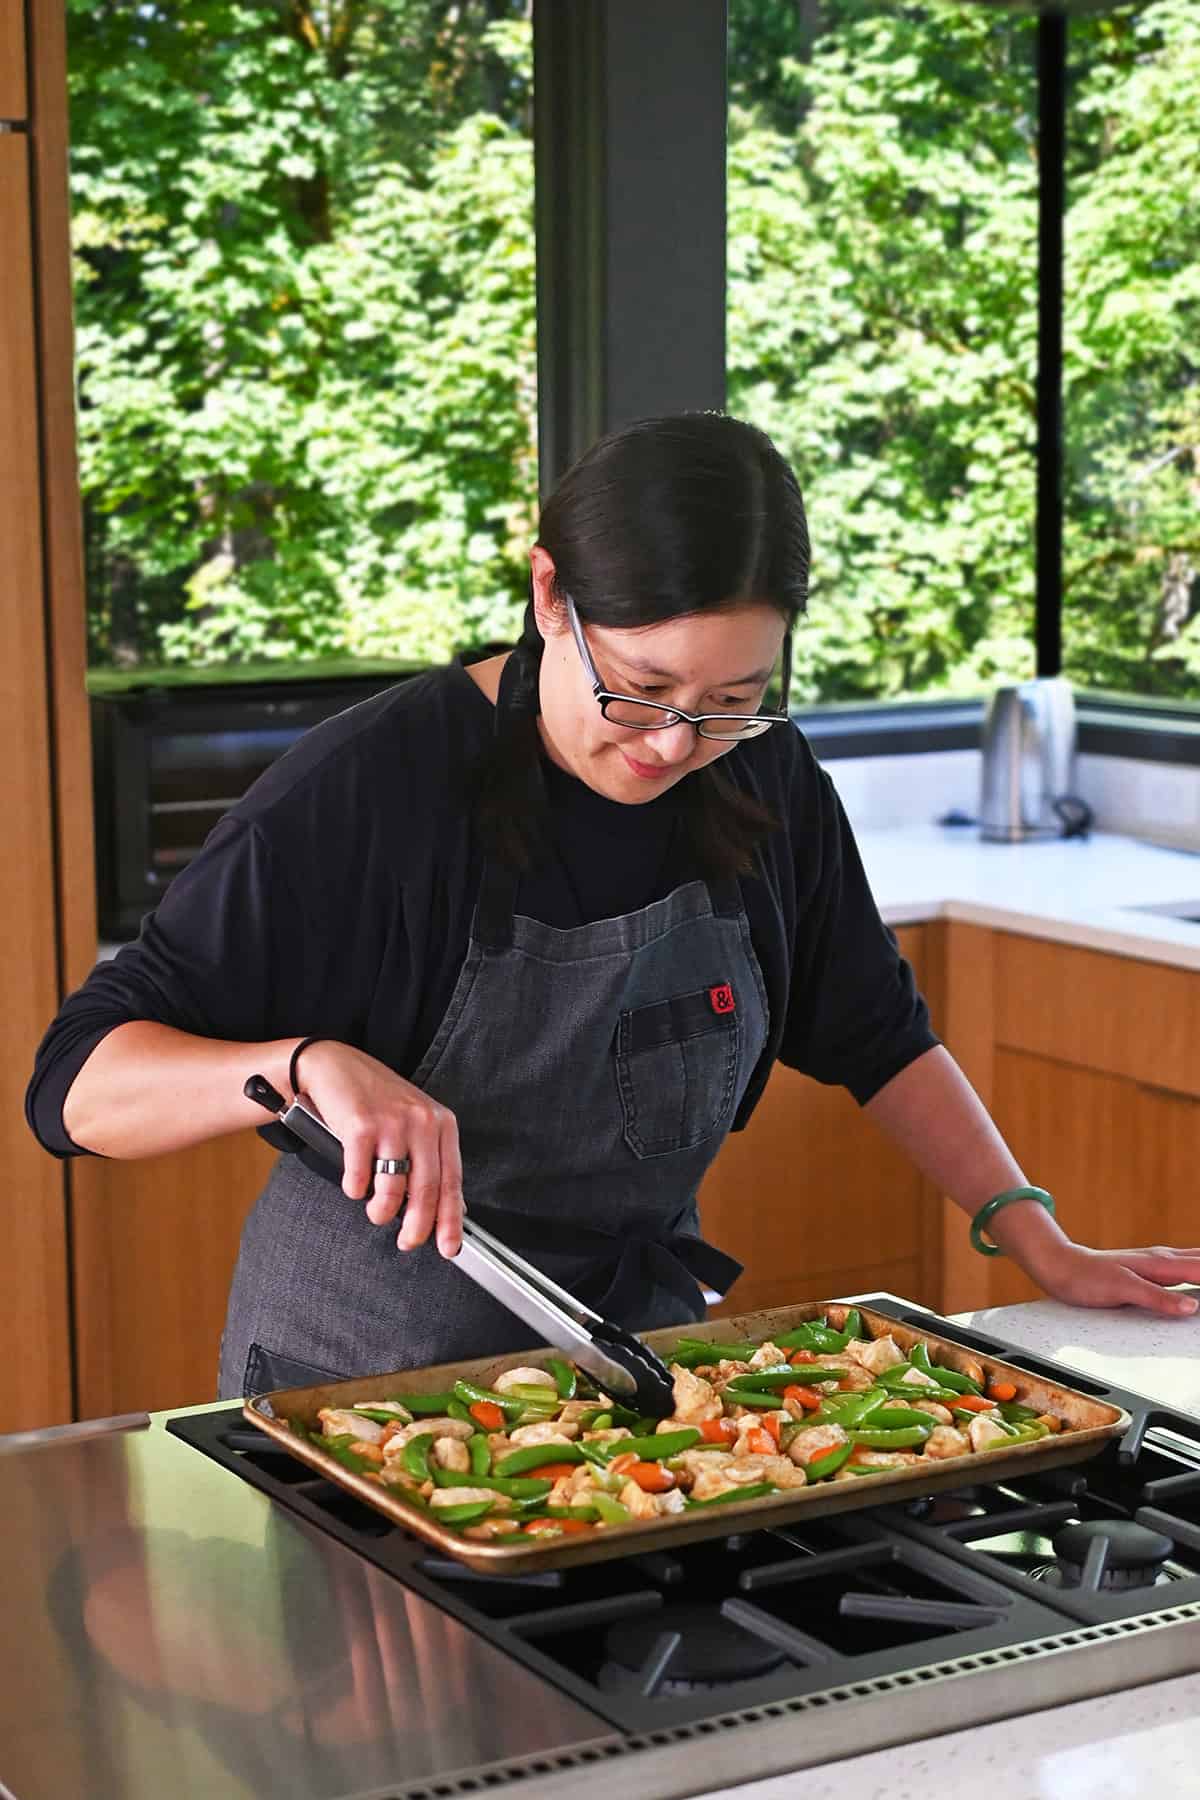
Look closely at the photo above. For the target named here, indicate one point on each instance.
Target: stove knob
(1130, 1546)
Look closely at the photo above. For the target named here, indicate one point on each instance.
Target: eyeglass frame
(604, 696)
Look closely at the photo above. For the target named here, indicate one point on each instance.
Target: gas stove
(822, 1638)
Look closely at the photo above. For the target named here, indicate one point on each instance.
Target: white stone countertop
(1084, 891)
(1127, 1746)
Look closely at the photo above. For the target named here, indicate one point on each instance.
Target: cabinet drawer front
(1111, 1013)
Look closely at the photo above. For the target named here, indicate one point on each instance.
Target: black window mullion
(1052, 131)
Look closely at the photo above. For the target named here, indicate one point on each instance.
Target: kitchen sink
(1186, 910)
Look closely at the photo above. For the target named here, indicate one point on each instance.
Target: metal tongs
(618, 1360)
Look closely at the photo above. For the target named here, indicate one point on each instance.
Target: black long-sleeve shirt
(335, 900)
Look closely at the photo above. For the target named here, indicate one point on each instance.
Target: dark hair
(670, 516)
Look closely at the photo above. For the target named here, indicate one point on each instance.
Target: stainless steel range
(249, 1613)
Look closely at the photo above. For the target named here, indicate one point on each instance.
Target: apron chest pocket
(677, 1065)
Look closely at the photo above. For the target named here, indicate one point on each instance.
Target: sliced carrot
(971, 1403)
(806, 1397)
(621, 1465)
(718, 1431)
(802, 1356)
(760, 1442)
(551, 1471)
(1002, 1390)
(651, 1477)
(487, 1414)
(770, 1425)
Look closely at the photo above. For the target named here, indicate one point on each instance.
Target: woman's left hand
(1084, 1277)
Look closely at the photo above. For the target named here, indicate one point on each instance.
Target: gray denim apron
(594, 1074)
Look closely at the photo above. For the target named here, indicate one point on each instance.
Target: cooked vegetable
(810, 1405)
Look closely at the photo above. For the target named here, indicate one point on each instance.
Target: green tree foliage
(305, 324)
(882, 325)
(306, 328)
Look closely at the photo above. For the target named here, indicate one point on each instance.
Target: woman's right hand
(376, 1113)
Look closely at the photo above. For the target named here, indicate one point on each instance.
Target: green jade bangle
(988, 1212)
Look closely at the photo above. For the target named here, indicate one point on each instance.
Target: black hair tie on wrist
(293, 1078)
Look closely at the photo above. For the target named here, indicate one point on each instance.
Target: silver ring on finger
(391, 1165)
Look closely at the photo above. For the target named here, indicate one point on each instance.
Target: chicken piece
(780, 1470)
(855, 1377)
(880, 1459)
(573, 1489)
(436, 1428)
(768, 1356)
(548, 1431)
(529, 1377)
(689, 1465)
(875, 1354)
(606, 1437)
(464, 1496)
(695, 1399)
(984, 1432)
(451, 1453)
(918, 1378)
(944, 1441)
(807, 1446)
(750, 1421)
(724, 1370)
(572, 1411)
(942, 1414)
(711, 1482)
(491, 1528)
(394, 1476)
(336, 1421)
(649, 1506)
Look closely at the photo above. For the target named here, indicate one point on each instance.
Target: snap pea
(597, 1421)
(385, 1413)
(472, 1395)
(873, 1469)
(465, 1513)
(1016, 1414)
(534, 1456)
(533, 1396)
(749, 1397)
(691, 1352)
(900, 1418)
(853, 1409)
(481, 1453)
(853, 1325)
(458, 1409)
(753, 1490)
(654, 1449)
(513, 1489)
(762, 1379)
(949, 1378)
(814, 1336)
(421, 1404)
(822, 1467)
(341, 1448)
(415, 1456)
(907, 1439)
(565, 1378)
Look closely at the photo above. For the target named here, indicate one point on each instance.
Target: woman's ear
(548, 609)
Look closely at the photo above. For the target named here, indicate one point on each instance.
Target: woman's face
(706, 662)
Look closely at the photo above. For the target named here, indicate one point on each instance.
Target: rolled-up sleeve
(208, 961)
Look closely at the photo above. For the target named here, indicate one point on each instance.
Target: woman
(540, 927)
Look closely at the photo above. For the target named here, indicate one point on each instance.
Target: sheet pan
(1090, 1423)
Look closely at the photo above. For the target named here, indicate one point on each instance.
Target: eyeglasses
(644, 715)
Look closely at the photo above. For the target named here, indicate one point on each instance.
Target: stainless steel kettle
(1029, 764)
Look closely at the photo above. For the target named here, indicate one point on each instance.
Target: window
(882, 322)
(305, 328)
(1131, 555)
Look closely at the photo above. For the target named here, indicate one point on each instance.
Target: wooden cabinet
(815, 1201)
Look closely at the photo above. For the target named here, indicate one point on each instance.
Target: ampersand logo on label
(722, 998)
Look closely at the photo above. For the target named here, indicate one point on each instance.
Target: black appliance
(1025, 1593)
(168, 761)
